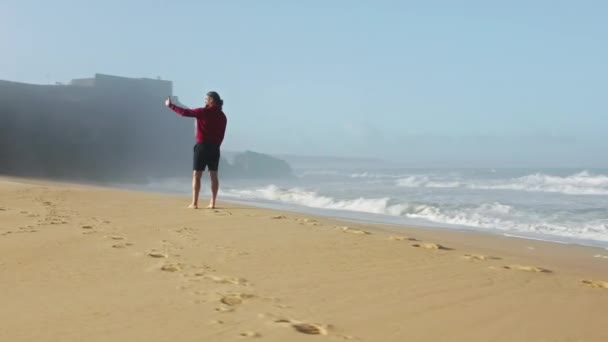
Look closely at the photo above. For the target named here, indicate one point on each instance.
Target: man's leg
(215, 185)
(196, 188)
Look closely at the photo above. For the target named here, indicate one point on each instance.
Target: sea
(559, 205)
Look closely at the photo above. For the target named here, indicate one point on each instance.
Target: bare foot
(211, 205)
(193, 206)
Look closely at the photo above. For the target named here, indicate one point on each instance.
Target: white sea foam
(494, 215)
(426, 182)
(582, 183)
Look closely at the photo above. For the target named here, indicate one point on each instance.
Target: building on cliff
(105, 128)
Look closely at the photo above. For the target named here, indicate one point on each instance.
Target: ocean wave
(372, 175)
(386, 176)
(311, 199)
(494, 215)
(582, 183)
(308, 173)
(426, 182)
(498, 216)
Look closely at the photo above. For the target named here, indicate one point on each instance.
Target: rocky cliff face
(257, 165)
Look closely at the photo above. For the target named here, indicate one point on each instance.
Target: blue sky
(425, 83)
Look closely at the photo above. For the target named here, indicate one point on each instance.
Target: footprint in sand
(303, 327)
(480, 257)
(527, 268)
(157, 255)
(308, 222)
(252, 334)
(224, 308)
(401, 238)
(122, 245)
(171, 267)
(87, 227)
(202, 273)
(429, 245)
(227, 280)
(235, 298)
(279, 217)
(185, 230)
(353, 230)
(310, 328)
(595, 283)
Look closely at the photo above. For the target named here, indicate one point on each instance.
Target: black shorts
(206, 155)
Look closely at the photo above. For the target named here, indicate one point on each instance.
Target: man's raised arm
(192, 113)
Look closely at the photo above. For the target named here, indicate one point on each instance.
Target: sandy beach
(83, 263)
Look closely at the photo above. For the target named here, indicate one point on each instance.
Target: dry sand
(80, 263)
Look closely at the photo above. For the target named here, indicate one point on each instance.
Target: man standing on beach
(210, 128)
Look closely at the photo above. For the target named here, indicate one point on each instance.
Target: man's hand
(168, 101)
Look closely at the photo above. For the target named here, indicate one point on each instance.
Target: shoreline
(388, 220)
(339, 215)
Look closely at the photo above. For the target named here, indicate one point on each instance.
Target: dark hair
(216, 98)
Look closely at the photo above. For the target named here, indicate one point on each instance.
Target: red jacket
(210, 123)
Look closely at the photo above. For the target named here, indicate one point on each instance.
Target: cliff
(102, 129)
(251, 164)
